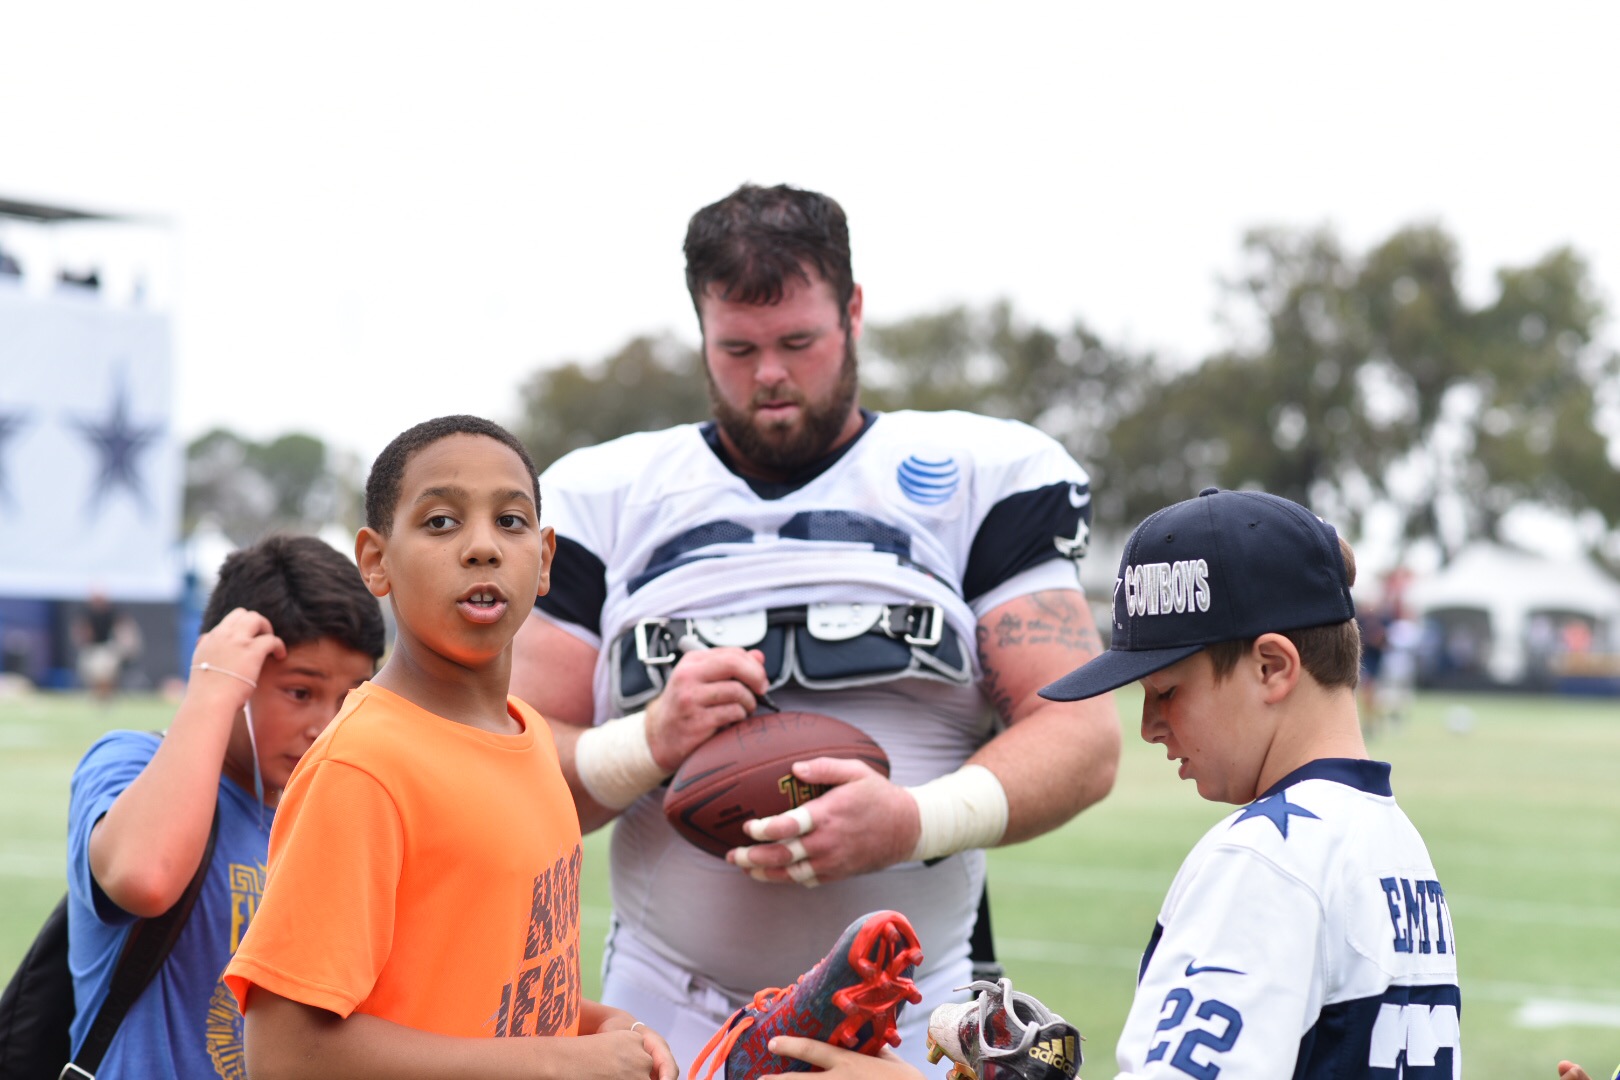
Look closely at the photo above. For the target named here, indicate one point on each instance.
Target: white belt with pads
(817, 646)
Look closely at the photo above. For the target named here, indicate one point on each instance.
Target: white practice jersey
(1306, 935)
(952, 509)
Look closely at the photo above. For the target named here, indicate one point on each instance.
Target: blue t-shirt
(185, 1024)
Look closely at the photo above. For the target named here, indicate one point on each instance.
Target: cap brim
(1114, 669)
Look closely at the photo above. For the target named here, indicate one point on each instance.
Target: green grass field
(1521, 813)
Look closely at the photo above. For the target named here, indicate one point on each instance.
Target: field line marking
(1552, 1013)
(1544, 1006)
(22, 864)
(1464, 905)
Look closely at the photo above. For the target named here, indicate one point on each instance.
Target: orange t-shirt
(425, 872)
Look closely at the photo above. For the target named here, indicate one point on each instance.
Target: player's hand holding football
(228, 659)
(707, 690)
(863, 824)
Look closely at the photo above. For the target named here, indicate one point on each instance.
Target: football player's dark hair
(757, 239)
(388, 471)
(1331, 653)
(306, 588)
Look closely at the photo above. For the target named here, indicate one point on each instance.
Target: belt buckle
(924, 626)
(844, 622)
(70, 1071)
(744, 630)
(644, 632)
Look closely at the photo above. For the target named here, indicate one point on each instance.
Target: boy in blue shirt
(290, 630)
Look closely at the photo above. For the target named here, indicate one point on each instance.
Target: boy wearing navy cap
(1307, 934)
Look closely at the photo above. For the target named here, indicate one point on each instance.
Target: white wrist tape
(615, 763)
(964, 809)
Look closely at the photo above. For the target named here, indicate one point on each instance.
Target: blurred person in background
(107, 639)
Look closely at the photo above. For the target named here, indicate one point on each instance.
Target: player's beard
(780, 448)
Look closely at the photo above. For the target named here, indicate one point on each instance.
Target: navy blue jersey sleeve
(578, 586)
(1026, 529)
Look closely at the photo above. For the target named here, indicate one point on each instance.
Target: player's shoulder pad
(988, 440)
(617, 462)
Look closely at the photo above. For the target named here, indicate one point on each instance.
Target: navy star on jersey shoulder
(1275, 809)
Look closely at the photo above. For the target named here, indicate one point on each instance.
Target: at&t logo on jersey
(929, 481)
(1166, 588)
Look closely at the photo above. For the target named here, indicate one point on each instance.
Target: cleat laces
(881, 955)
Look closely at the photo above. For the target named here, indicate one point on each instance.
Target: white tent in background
(1513, 603)
(205, 551)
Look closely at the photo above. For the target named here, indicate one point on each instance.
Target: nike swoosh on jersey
(1194, 969)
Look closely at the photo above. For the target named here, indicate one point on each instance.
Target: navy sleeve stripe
(578, 586)
(1022, 531)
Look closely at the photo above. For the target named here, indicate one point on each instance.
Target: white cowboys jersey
(1306, 935)
(952, 509)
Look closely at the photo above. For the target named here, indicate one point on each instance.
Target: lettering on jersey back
(1419, 915)
(1417, 1035)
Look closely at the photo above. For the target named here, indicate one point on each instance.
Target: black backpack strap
(149, 943)
(37, 1005)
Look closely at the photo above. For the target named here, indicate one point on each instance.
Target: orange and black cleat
(1003, 1034)
(851, 998)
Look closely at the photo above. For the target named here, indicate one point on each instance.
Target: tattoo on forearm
(1046, 620)
(1009, 630)
(1054, 622)
(1059, 605)
(998, 695)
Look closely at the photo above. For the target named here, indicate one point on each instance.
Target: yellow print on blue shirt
(223, 1029)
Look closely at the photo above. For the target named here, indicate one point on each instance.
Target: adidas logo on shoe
(1003, 1034)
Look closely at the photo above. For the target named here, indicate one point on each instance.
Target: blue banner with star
(91, 470)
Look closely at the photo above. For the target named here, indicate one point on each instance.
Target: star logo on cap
(1275, 809)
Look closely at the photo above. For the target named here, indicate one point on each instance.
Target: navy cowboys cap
(1226, 566)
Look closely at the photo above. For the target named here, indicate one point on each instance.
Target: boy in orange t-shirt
(423, 899)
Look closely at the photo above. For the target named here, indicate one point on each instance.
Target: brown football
(746, 771)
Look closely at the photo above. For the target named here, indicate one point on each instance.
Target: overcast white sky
(380, 213)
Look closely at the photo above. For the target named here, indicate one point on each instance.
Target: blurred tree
(1352, 383)
(251, 488)
(986, 360)
(650, 383)
(1537, 434)
(1285, 412)
(1363, 382)
(295, 466)
(1069, 384)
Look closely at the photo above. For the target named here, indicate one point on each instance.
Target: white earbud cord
(258, 774)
